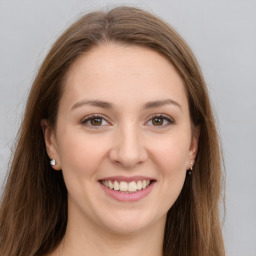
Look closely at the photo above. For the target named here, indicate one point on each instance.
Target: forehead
(123, 73)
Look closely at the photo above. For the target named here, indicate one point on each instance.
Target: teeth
(144, 184)
(132, 186)
(110, 184)
(139, 185)
(125, 186)
(116, 185)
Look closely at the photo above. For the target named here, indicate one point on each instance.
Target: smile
(127, 189)
(123, 186)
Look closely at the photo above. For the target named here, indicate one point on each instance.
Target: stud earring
(53, 162)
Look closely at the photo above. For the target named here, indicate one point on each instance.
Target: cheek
(171, 154)
(171, 161)
(80, 158)
(80, 154)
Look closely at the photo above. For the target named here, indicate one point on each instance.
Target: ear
(193, 145)
(50, 143)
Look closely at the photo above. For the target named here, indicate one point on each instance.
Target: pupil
(96, 121)
(157, 121)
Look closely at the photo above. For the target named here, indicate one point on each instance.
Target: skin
(127, 141)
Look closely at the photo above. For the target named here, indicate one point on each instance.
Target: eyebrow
(94, 103)
(160, 103)
(107, 105)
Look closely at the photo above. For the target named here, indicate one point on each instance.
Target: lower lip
(128, 197)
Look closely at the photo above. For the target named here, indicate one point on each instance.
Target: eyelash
(164, 118)
(91, 117)
(98, 116)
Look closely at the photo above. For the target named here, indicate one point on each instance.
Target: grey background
(222, 34)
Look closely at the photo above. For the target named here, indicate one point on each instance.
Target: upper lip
(127, 179)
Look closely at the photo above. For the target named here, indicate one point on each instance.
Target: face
(123, 138)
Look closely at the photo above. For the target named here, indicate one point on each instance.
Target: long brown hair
(33, 212)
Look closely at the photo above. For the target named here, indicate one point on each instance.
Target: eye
(94, 121)
(160, 121)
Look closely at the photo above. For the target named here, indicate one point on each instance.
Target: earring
(53, 162)
(190, 169)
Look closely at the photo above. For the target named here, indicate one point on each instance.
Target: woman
(118, 151)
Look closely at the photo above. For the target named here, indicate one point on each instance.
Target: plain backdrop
(222, 34)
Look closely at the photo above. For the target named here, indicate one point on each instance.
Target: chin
(130, 222)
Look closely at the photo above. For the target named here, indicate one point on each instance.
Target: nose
(128, 149)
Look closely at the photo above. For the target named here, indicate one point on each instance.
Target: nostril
(128, 149)
(128, 159)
